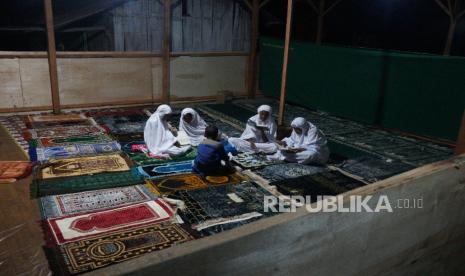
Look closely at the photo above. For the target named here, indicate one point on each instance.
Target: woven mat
(320, 184)
(59, 142)
(65, 185)
(218, 208)
(157, 171)
(91, 201)
(191, 181)
(75, 150)
(115, 247)
(284, 171)
(143, 159)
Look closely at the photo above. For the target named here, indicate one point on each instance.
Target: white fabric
(196, 129)
(245, 146)
(310, 136)
(254, 134)
(311, 139)
(157, 134)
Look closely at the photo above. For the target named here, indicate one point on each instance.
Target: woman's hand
(253, 146)
(281, 143)
(174, 131)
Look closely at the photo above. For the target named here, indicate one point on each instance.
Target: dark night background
(400, 25)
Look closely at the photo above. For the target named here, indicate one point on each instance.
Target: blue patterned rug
(157, 171)
(44, 154)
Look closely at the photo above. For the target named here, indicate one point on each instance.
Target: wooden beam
(52, 56)
(252, 64)
(65, 54)
(165, 94)
(282, 98)
(460, 147)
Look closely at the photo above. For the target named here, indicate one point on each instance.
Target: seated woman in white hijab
(259, 134)
(158, 136)
(193, 125)
(306, 145)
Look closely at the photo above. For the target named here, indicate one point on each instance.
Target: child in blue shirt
(210, 154)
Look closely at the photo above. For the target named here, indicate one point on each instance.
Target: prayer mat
(229, 117)
(233, 111)
(157, 171)
(44, 154)
(127, 138)
(83, 165)
(283, 171)
(228, 129)
(220, 205)
(171, 184)
(92, 201)
(69, 141)
(14, 125)
(62, 132)
(253, 160)
(320, 184)
(373, 169)
(42, 125)
(122, 122)
(10, 171)
(114, 247)
(83, 226)
(361, 135)
(56, 118)
(386, 142)
(415, 155)
(74, 184)
(143, 159)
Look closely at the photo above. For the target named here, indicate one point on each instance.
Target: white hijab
(196, 129)
(157, 134)
(252, 132)
(311, 135)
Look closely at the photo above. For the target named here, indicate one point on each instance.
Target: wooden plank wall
(92, 79)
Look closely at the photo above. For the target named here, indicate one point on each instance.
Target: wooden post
(165, 96)
(52, 56)
(252, 68)
(460, 147)
(282, 99)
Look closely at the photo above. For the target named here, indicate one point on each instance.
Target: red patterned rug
(82, 226)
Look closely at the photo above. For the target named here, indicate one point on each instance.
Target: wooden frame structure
(254, 7)
(52, 56)
(282, 98)
(166, 52)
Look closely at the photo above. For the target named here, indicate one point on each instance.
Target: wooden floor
(20, 235)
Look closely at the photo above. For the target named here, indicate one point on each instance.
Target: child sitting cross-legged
(211, 157)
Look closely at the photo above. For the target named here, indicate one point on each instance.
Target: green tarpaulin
(417, 93)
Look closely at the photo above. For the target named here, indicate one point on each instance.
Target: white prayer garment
(261, 133)
(195, 129)
(157, 134)
(312, 140)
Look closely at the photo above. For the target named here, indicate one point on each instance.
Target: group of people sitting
(306, 144)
